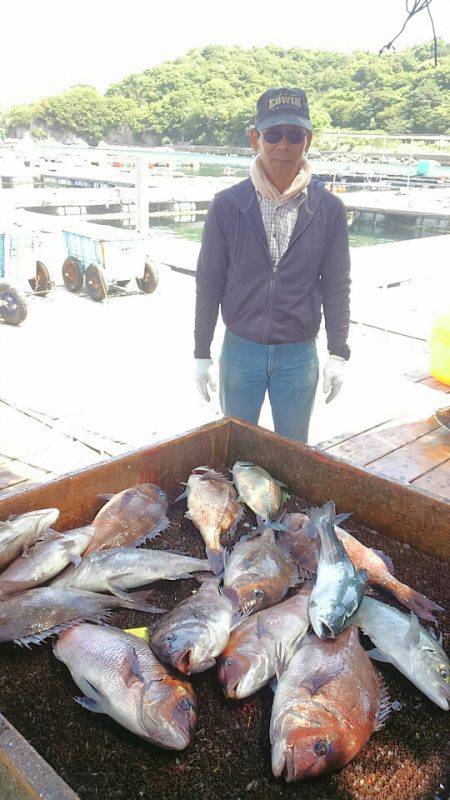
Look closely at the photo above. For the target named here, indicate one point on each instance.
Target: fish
(304, 549)
(20, 532)
(31, 616)
(130, 517)
(213, 508)
(339, 587)
(128, 568)
(194, 633)
(401, 640)
(248, 661)
(259, 572)
(327, 703)
(45, 559)
(121, 677)
(258, 490)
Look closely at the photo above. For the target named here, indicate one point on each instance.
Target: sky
(49, 45)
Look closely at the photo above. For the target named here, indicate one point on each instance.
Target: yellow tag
(141, 632)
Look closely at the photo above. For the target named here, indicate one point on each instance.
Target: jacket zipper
(273, 280)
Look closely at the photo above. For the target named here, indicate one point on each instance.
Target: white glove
(204, 377)
(333, 376)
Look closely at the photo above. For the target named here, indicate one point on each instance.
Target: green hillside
(208, 96)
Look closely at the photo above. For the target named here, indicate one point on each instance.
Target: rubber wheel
(13, 307)
(73, 276)
(42, 284)
(149, 282)
(96, 282)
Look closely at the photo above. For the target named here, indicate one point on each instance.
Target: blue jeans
(288, 372)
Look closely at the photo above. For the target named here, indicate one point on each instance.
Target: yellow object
(141, 632)
(440, 348)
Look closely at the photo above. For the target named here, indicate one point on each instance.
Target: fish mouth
(325, 630)
(183, 662)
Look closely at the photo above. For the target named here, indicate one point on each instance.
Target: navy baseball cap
(282, 106)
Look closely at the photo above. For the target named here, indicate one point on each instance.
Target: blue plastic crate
(2, 255)
(87, 250)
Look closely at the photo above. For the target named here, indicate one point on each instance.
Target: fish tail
(216, 559)
(416, 602)
(321, 518)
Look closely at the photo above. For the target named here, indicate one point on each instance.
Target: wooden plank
(414, 459)
(388, 506)
(436, 480)
(24, 775)
(366, 447)
(9, 479)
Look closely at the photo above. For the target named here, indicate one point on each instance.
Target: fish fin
(182, 495)
(5, 526)
(320, 677)
(114, 587)
(385, 704)
(297, 577)
(90, 704)
(273, 683)
(240, 617)
(213, 475)
(130, 668)
(162, 525)
(138, 601)
(386, 559)
(236, 522)
(281, 660)
(322, 516)
(107, 496)
(76, 559)
(261, 629)
(377, 655)
(188, 515)
(25, 551)
(276, 525)
(216, 560)
(341, 517)
(413, 633)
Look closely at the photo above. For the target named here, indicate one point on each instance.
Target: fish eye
(445, 674)
(170, 637)
(259, 593)
(184, 704)
(322, 747)
(229, 661)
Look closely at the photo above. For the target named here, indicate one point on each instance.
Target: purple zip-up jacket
(267, 303)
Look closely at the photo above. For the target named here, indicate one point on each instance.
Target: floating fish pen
(51, 748)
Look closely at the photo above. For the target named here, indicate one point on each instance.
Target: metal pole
(409, 164)
(335, 163)
(142, 220)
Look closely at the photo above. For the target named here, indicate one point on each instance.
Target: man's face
(283, 157)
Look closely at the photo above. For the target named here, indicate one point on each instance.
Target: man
(274, 251)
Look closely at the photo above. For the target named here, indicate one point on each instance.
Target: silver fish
(32, 616)
(339, 588)
(121, 677)
(127, 568)
(22, 531)
(401, 640)
(45, 559)
(258, 490)
(249, 659)
(194, 633)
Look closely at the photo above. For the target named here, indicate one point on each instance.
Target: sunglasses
(274, 135)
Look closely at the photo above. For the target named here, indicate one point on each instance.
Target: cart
(105, 260)
(21, 269)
